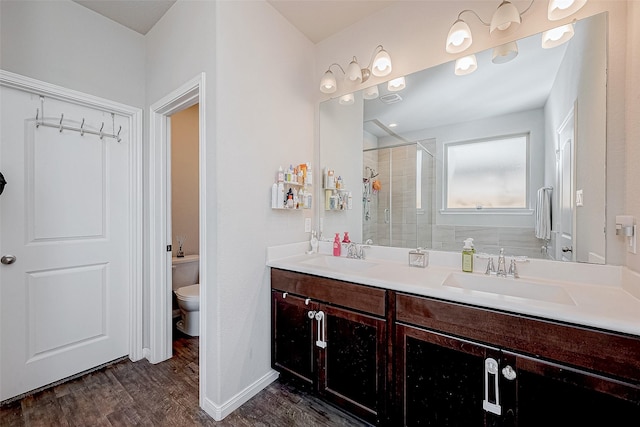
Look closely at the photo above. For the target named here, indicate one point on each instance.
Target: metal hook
(37, 114)
(118, 134)
(101, 127)
(82, 128)
(61, 117)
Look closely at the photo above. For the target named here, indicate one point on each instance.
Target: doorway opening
(161, 237)
(183, 212)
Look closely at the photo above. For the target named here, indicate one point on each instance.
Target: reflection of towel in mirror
(543, 214)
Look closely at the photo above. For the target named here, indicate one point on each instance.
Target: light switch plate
(307, 225)
(579, 198)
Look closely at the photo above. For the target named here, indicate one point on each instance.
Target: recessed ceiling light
(392, 125)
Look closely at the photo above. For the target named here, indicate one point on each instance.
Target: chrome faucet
(356, 251)
(501, 270)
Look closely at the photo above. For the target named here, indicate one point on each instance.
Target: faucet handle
(513, 271)
(491, 269)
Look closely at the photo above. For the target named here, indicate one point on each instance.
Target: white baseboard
(218, 412)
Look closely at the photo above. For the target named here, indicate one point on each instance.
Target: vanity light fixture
(557, 36)
(371, 92)
(466, 65)
(379, 66)
(328, 82)
(506, 19)
(559, 9)
(396, 85)
(504, 53)
(504, 22)
(347, 99)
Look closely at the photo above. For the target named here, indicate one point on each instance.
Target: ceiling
(138, 15)
(316, 19)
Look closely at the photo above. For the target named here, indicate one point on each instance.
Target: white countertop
(605, 297)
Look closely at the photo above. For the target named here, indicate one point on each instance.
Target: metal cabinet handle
(491, 368)
(321, 341)
(8, 259)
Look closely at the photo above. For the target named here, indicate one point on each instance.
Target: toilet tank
(185, 271)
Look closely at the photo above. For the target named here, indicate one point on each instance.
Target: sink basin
(508, 287)
(340, 263)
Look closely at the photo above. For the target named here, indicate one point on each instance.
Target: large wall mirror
(511, 155)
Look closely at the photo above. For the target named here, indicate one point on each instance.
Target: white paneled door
(64, 218)
(565, 172)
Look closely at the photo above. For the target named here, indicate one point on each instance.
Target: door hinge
(169, 248)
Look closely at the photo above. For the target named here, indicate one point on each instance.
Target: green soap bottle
(467, 256)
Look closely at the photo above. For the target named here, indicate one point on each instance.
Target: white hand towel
(543, 214)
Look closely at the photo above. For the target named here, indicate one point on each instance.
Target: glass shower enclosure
(398, 195)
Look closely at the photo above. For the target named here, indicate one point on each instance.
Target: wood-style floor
(165, 394)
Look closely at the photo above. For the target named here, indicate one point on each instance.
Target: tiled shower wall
(520, 241)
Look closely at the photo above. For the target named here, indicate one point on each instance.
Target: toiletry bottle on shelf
(309, 177)
(336, 245)
(290, 199)
(274, 195)
(467, 256)
(349, 200)
(280, 200)
(280, 174)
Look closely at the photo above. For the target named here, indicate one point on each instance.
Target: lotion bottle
(467, 256)
(336, 245)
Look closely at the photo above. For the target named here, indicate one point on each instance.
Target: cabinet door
(549, 394)
(441, 380)
(353, 363)
(292, 336)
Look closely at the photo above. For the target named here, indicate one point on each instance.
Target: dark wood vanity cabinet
(333, 336)
(458, 365)
(399, 359)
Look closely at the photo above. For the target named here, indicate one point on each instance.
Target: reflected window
(487, 174)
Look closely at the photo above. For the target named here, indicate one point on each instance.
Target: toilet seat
(189, 293)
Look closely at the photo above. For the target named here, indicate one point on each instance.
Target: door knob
(567, 249)
(8, 259)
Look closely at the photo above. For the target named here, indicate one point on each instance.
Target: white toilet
(185, 278)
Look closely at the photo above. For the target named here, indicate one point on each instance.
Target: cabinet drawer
(601, 351)
(350, 295)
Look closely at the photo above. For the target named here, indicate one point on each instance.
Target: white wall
(414, 34)
(341, 129)
(582, 79)
(260, 114)
(63, 43)
(185, 143)
(633, 124)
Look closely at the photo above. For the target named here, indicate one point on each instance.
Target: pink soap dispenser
(336, 245)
